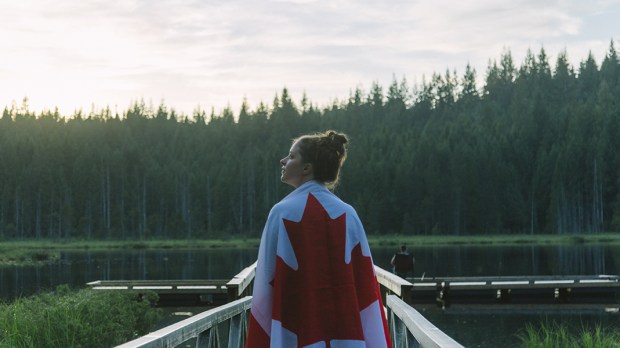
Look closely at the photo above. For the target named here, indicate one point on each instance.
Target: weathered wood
(422, 330)
(241, 282)
(193, 327)
(393, 283)
(523, 288)
(163, 286)
(525, 282)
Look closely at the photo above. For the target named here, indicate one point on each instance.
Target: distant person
(315, 283)
(402, 262)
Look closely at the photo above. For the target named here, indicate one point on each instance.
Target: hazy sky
(73, 54)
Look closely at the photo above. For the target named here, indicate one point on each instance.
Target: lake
(471, 325)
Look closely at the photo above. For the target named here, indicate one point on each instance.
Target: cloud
(213, 53)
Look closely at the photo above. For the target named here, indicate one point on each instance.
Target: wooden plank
(167, 282)
(531, 279)
(481, 283)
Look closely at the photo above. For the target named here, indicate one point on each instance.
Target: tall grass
(83, 318)
(553, 335)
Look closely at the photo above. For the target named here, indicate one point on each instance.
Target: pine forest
(531, 147)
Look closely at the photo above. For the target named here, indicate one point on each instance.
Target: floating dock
(516, 290)
(173, 292)
(443, 291)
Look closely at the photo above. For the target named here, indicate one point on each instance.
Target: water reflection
(499, 325)
(470, 261)
(76, 268)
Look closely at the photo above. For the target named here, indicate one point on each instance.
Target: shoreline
(32, 252)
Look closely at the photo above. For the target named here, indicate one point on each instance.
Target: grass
(10, 255)
(553, 335)
(40, 251)
(32, 252)
(83, 318)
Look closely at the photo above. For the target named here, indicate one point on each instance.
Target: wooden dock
(516, 290)
(195, 292)
(443, 291)
(173, 292)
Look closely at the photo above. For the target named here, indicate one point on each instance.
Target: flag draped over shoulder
(315, 284)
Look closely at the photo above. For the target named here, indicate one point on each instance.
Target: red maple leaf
(322, 299)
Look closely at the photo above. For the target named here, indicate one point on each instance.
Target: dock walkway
(444, 290)
(517, 289)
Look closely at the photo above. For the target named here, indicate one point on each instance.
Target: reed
(554, 335)
(82, 318)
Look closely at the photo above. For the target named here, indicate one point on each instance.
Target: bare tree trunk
(122, 204)
(2, 215)
(89, 220)
(70, 222)
(209, 207)
(103, 200)
(51, 214)
(161, 229)
(17, 203)
(37, 219)
(61, 205)
(240, 217)
(561, 211)
(186, 199)
(457, 213)
(108, 222)
(251, 196)
(143, 208)
(597, 201)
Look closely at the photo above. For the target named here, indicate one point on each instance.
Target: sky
(206, 54)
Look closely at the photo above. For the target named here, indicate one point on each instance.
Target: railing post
(241, 284)
(443, 294)
(391, 283)
(410, 329)
(204, 338)
(237, 331)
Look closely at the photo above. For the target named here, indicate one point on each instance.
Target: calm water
(473, 326)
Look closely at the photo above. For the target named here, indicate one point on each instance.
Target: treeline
(535, 150)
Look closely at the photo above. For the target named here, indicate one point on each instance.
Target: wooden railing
(224, 326)
(408, 328)
(390, 283)
(241, 284)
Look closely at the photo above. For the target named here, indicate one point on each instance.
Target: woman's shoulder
(294, 203)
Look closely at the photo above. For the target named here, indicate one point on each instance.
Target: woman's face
(294, 171)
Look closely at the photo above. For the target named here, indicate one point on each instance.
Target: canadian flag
(315, 284)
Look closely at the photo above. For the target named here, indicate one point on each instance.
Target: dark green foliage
(84, 318)
(534, 150)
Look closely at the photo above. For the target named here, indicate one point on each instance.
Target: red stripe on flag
(257, 337)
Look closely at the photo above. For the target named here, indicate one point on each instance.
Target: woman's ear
(308, 168)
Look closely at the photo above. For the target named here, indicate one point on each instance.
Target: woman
(315, 283)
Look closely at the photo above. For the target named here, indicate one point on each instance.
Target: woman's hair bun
(341, 139)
